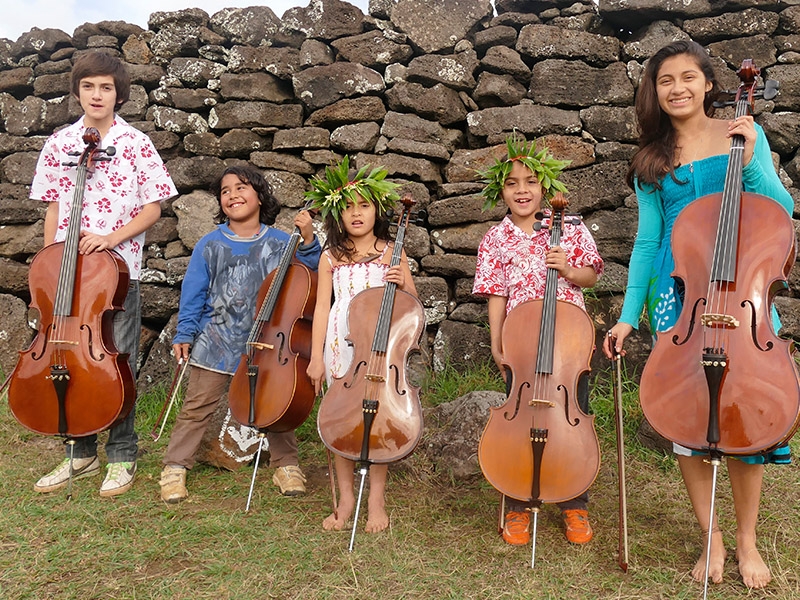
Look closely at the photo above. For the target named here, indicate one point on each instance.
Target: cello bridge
(68, 342)
(716, 319)
(375, 378)
(546, 403)
(261, 346)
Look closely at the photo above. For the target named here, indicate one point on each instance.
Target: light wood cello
(540, 446)
(372, 414)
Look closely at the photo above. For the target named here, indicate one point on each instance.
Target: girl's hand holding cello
(396, 275)
(744, 126)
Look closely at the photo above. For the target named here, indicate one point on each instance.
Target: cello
(71, 381)
(270, 389)
(540, 446)
(386, 424)
(721, 382)
(722, 363)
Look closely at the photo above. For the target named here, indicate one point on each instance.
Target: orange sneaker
(517, 530)
(578, 529)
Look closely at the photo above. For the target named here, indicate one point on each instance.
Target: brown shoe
(578, 530)
(173, 484)
(290, 480)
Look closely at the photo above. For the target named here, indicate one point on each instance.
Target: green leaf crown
(331, 194)
(541, 163)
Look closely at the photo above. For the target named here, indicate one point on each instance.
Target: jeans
(123, 443)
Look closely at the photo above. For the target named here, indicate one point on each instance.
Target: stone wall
(426, 88)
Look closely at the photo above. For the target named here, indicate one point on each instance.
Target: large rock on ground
(453, 430)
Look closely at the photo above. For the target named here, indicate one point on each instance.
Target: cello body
(71, 381)
(282, 393)
(540, 446)
(372, 414)
(675, 398)
(397, 427)
(570, 459)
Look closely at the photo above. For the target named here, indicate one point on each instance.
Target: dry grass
(442, 542)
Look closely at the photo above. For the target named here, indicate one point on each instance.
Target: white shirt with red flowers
(114, 193)
(511, 263)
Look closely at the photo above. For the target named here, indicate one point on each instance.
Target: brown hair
(657, 139)
(96, 63)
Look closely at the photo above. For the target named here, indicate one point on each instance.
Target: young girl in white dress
(356, 257)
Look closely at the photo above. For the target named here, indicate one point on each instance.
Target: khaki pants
(202, 395)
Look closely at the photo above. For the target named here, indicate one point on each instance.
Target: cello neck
(273, 294)
(65, 292)
(723, 266)
(381, 339)
(547, 331)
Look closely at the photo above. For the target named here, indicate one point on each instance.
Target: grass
(442, 542)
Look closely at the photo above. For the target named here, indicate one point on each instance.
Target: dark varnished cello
(270, 388)
(539, 446)
(721, 380)
(71, 381)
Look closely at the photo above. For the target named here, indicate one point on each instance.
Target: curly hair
(657, 138)
(268, 204)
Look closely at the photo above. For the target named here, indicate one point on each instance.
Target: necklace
(701, 143)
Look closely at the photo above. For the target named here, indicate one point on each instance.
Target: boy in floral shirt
(513, 259)
(121, 200)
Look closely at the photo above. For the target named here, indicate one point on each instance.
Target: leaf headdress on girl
(541, 163)
(331, 194)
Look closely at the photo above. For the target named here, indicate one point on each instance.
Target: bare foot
(717, 562)
(338, 521)
(752, 568)
(377, 519)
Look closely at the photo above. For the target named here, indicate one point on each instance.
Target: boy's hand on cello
(304, 222)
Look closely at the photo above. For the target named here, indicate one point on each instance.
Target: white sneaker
(119, 478)
(58, 477)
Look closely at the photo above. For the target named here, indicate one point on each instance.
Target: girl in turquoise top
(683, 155)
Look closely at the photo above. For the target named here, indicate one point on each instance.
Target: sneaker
(119, 478)
(290, 480)
(517, 530)
(58, 477)
(173, 484)
(578, 530)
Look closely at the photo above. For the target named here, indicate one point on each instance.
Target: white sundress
(348, 280)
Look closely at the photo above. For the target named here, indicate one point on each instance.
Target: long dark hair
(339, 243)
(657, 138)
(269, 207)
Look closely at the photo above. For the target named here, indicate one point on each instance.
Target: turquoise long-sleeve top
(658, 210)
